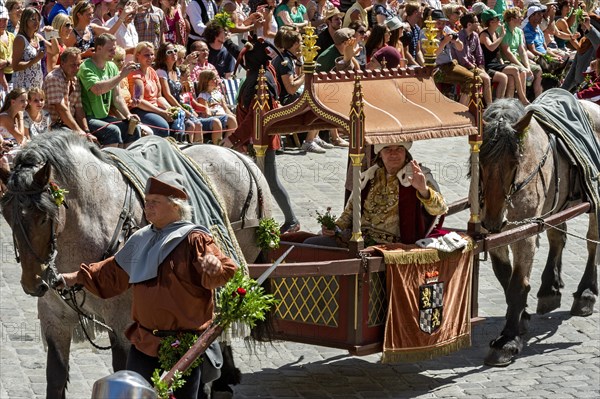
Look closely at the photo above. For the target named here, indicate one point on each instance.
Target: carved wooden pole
(357, 129)
(260, 107)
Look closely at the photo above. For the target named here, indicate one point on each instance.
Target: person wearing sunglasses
(62, 28)
(360, 34)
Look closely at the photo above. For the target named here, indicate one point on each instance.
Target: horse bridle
(50, 276)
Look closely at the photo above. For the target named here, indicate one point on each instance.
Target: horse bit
(51, 277)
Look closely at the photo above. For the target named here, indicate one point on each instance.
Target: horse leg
(587, 290)
(501, 266)
(57, 333)
(549, 293)
(504, 348)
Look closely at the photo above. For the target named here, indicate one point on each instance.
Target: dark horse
(523, 178)
(82, 232)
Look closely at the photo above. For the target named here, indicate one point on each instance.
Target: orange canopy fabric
(399, 108)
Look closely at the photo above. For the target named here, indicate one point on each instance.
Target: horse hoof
(584, 305)
(547, 304)
(503, 351)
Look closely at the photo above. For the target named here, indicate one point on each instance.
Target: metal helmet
(124, 384)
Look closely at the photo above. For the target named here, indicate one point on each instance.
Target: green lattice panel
(311, 300)
(377, 299)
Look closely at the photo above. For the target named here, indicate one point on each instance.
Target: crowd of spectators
(114, 70)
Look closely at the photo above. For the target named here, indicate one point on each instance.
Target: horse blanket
(559, 113)
(152, 155)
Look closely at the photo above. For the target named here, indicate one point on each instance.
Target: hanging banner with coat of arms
(429, 302)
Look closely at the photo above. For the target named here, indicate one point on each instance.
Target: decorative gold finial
(430, 43)
(309, 49)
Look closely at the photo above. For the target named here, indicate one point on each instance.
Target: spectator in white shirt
(127, 36)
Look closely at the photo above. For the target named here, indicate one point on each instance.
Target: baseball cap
(343, 34)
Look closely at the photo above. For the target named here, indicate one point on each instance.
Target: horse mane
(499, 137)
(51, 148)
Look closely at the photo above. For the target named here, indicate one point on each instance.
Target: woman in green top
(514, 51)
(290, 13)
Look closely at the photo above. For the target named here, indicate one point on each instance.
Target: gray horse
(523, 178)
(82, 232)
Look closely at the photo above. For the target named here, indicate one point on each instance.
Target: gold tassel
(425, 353)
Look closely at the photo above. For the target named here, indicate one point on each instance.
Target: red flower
(241, 291)
(175, 344)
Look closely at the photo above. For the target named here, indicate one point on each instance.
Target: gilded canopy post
(430, 43)
(476, 108)
(260, 107)
(357, 129)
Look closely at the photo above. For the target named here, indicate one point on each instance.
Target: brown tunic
(179, 298)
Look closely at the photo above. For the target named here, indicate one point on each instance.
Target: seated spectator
(62, 26)
(210, 97)
(171, 87)
(242, 18)
(12, 126)
(412, 50)
(453, 12)
(514, 51)
(380, 35)
(401, 202)
(333, 20)
(200, 48)
(360, 34)
(397, 29)
(36, 120)
(98, 77)
(188, 96)
(381, 12)
(491, 38)
(291, 13)
(28, 52)
(145, 89)
(534, 37)
(358, 12)
(126, 34)
(386, 57)
(592, 92)
(566, 26)
(6, 47)
(471, 56)
(218, 54)
(63, 94)
(339, 56)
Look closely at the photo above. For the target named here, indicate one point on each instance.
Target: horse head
(31, 211)
(505, 122)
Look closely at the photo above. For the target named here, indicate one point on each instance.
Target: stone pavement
(561, 359)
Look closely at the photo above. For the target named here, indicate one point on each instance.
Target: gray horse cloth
(558, 112)
(152, 155)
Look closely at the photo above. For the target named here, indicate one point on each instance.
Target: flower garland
(224, 19)
(58, 194)
(240, 300)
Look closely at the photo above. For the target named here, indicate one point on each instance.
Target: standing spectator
(47, 7)
(36, 120)
(566, 26)
(63, 26)
(413, 52)
(171, 87)
(145, 89)
(268, 28)
(316, 11)
(358, 12)
(178, 27)
(63, 94)
(291, 13)
(101, 11)
(200, 13)
(127, 36)
(333, 18)
(471, 56)
(60, 7)
(6, 49)
(11, 117)
(381, 12)
(243, 20)
(491, 38)
(83, 34)
(99, 77)
(15, 9)
(150, 23)
(582, 59)
(28, 51)
(218, 54)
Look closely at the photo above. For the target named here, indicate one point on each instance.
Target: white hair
(185, 209)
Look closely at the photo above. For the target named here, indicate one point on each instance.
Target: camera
(137, 66)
